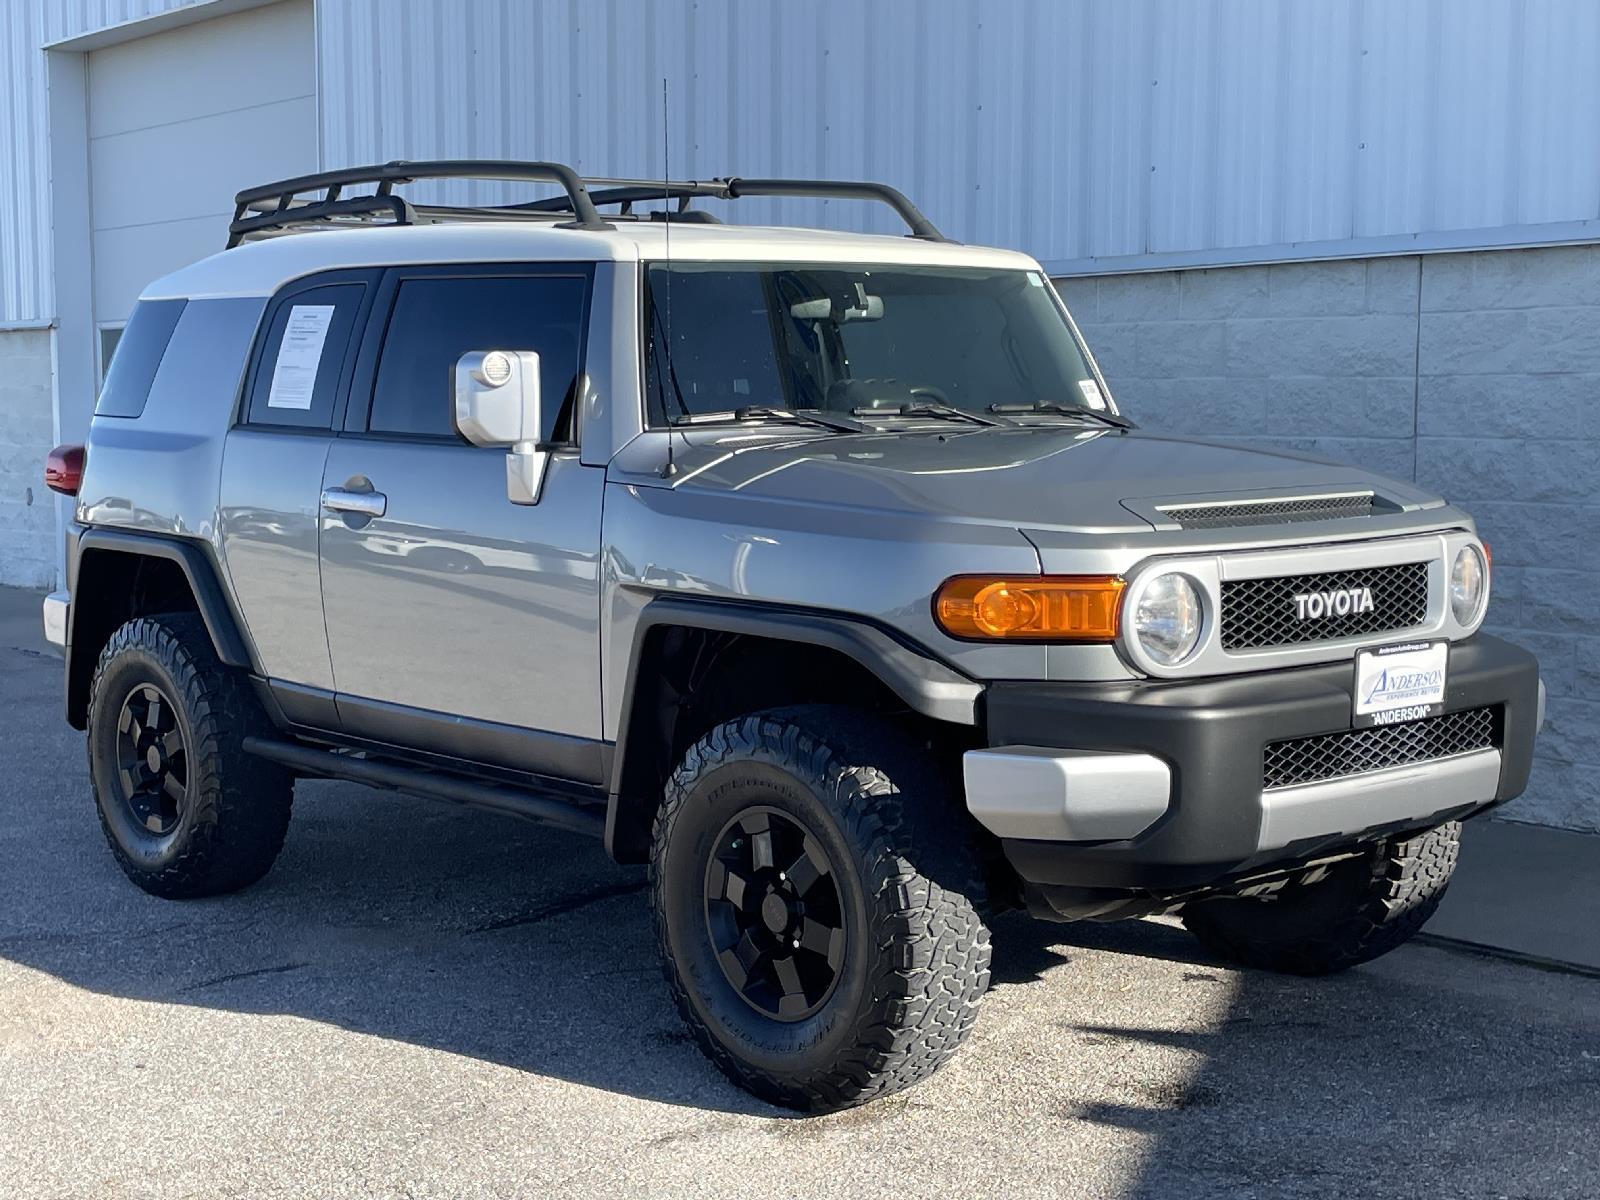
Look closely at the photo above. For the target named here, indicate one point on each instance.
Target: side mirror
(497, 404)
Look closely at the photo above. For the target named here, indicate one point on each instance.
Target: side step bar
(417, 781)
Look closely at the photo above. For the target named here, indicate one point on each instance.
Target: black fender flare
(199, 569)
(926, 683)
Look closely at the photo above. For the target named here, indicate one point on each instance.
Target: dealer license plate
(1399, 683)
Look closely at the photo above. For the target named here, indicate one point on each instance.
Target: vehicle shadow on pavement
(1427, 1073)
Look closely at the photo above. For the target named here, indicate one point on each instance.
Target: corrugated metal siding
(1104, 131)
(24, 219)
(1111, 129)
(26, 26)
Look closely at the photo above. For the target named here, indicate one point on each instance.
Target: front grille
(1263, 612)
(1357, 751)
(1269, 512)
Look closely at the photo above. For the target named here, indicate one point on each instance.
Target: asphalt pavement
(427, 1001)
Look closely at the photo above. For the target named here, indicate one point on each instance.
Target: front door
(457, 621)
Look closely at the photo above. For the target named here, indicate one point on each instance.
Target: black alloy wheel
(815, 883)
(185, 810)
(774, 914)
(152, 760)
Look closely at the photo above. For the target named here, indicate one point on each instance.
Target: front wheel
(1350, 913)
(814, 890)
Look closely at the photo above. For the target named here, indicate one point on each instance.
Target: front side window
(438, 319)
(853, 340)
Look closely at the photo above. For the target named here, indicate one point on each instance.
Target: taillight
(63, 470)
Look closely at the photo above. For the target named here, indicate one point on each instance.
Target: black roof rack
(281, 204)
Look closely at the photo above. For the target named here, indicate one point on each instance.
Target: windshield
(857, 340)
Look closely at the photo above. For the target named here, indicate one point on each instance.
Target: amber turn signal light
(1030, 608)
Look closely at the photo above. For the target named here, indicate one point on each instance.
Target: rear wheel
(814, 891)
(1324, 922)
(185, 810)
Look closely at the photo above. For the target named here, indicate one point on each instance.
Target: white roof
(259, 268)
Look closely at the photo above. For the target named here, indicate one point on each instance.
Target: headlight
(1166, 618)
(1469, 584)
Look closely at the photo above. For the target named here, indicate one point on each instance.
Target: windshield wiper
(947, 412)
(1066, 410)
(765, 412)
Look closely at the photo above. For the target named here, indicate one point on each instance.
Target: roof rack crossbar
(355, 206)
(391, 173)
(578, 200)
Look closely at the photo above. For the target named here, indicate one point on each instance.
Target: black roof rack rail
(626, 192)
(839, 189)
(290, 210)
(280, 204)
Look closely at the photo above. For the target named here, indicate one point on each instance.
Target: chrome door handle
(365, 504)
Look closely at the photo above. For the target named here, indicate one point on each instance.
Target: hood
(1061, 478)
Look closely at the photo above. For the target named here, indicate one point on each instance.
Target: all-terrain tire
(234, 814)
(915, 962)
(1361, 909)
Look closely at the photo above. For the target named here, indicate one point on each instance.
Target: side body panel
(884, 567)
(158, 473)
(458, 601)
(267, 532)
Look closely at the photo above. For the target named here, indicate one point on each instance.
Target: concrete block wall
(27, 431)
(1475, 375)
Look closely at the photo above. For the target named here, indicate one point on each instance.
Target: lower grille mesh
(1357, 751)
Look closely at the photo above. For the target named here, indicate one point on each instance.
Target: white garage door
(180, 121)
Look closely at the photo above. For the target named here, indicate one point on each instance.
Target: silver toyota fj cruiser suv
(819, 571)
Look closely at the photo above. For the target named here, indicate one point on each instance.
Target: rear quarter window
(138, 356)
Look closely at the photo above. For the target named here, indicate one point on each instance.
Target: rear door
(293, 399)
(457, 621)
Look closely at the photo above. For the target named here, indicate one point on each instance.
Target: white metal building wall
(25, 27)
(1097, 134)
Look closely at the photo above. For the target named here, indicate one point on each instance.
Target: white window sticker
(1091, 394)
(294, 377)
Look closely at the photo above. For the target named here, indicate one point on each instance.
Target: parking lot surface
(424, 1001)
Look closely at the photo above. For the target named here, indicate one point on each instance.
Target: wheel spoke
(824, 940)
(788, 975)
(740, 962)
(127, 722)
(724, 883)
(152, 714)
(811, 866)
(174, 788)
(747, 951)
(130, 784)
(761, 849)
(172, 743)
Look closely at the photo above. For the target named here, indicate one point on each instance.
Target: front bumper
(1156, 787)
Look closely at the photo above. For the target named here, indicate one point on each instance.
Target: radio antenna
(671, 468)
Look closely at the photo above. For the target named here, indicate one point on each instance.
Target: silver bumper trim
(55, 619)
(1358, 802)
(1049, 794)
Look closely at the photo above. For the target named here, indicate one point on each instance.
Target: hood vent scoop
(1231, 514)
